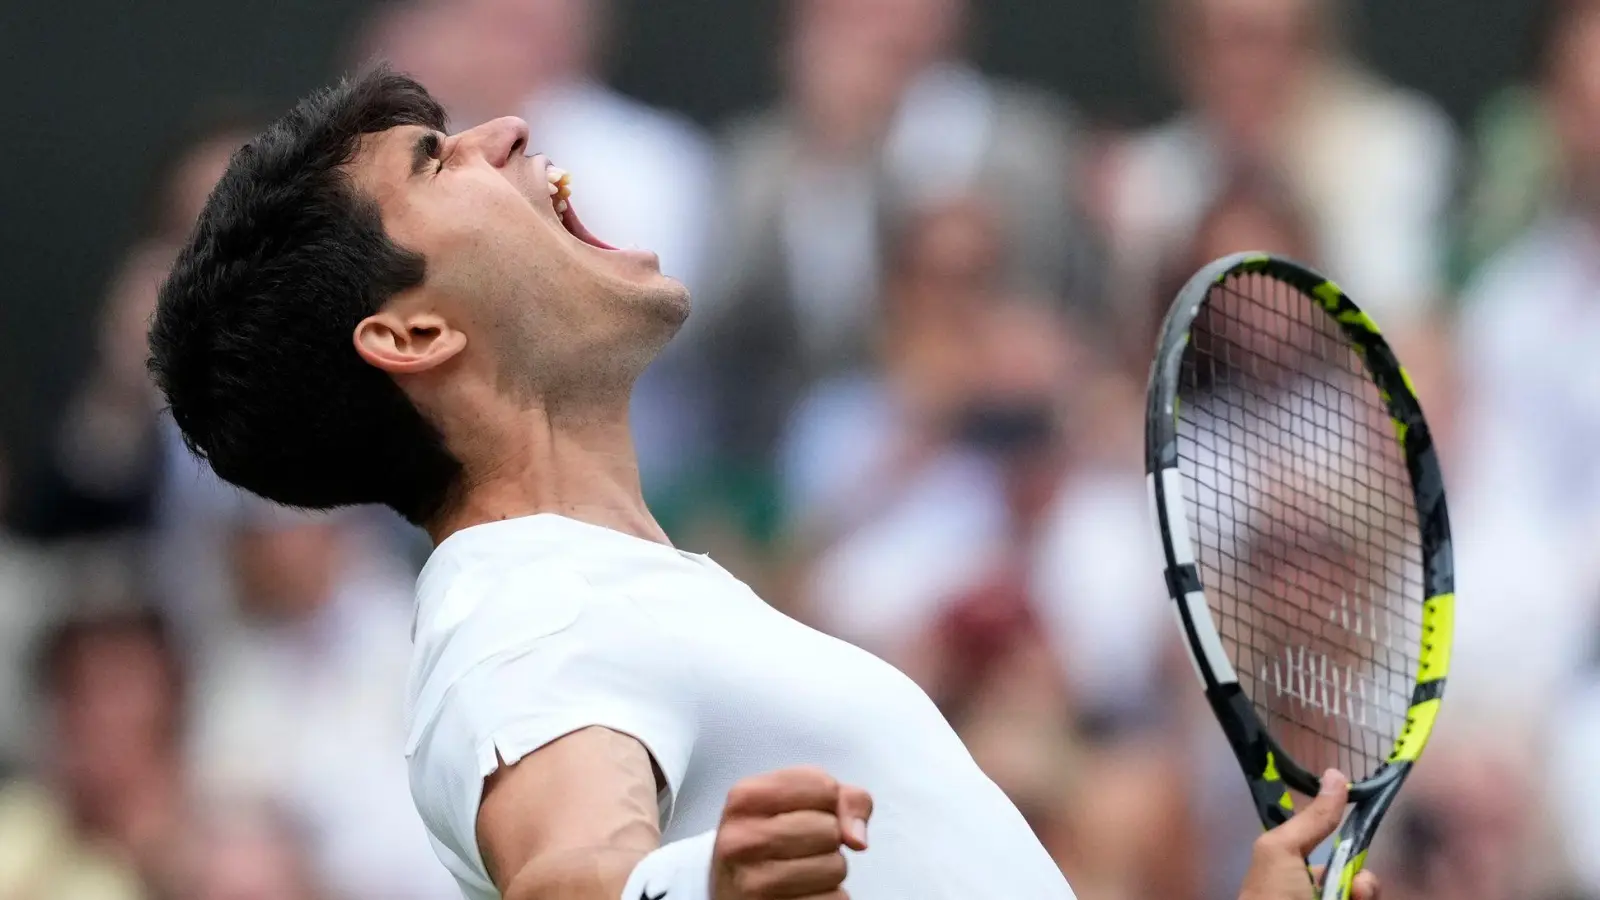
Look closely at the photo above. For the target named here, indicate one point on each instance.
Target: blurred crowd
(908, 410)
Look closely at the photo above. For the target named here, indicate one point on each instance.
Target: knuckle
(746, 882)
(768, 881)
(817, 824)
(814, 776)
(737, 843)
(739, 795)
(1266, 844)
(862, 799)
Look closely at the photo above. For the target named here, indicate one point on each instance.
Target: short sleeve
(527, 659)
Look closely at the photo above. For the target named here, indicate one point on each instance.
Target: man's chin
(670, 297)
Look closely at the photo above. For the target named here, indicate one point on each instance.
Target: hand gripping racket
(1307, 545)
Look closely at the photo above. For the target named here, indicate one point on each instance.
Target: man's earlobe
(403, 344)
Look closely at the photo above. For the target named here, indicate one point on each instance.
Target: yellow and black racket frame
(1270, 772)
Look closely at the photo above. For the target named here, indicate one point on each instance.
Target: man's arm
(570, 820)
(576, 820)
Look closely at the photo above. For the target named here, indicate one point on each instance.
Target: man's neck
(586, 471)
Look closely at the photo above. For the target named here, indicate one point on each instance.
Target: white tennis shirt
(532, 628)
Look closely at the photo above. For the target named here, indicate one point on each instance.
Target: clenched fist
(781, 837)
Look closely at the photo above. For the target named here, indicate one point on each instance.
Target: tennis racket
(1307, 544)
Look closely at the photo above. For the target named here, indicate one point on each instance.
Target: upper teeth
(560, 187)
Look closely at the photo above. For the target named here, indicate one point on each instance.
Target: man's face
(550, 303)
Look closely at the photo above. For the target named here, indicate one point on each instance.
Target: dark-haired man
(374, 311)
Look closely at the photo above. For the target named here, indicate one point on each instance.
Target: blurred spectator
(247, 852)
(30, 581)
(105, 820)
(1530, 492)
(1130, 838)
(879, 450)
(977, 505)
(1252, 212)
(1269, 89)
(861, 433)
(1469, 825)
(881, 116)
(302, 702)
(1527, 486)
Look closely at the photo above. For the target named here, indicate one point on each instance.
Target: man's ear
(403, 342)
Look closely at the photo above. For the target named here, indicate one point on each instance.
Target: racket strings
(1305, 529)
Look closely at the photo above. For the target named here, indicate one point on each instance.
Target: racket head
(1222, 315)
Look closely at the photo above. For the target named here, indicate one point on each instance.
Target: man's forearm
(681, 869)
(583, 874)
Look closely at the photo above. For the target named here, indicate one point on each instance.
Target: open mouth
(560, 183)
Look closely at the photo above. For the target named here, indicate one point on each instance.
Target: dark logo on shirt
(645, 895)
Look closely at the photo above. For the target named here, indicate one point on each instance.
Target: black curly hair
(251, 341)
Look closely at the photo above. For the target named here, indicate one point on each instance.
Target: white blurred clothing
(838, 450)
(189, 560)
(311, 714)
(1525, 484)
(1572, 781)
(1097, 578)
(891, 577)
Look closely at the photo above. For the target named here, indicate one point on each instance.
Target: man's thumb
(855, 808)
(1312, 825)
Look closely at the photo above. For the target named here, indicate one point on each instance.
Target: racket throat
(1269, 774)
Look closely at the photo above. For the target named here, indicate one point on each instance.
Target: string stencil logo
(1340, 680)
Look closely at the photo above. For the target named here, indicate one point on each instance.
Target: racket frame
(1270, 772)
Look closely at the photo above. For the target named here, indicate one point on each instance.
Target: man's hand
(1278, 866)
(781, 837)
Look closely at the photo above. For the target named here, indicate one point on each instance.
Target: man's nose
(498, 140)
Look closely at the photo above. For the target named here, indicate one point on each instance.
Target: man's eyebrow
(422, 150)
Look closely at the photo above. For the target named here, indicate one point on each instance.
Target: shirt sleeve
(530, 657)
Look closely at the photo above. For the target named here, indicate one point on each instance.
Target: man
(373, 311)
